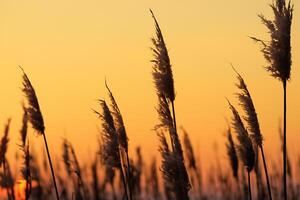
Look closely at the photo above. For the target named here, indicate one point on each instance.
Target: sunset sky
(69, 47)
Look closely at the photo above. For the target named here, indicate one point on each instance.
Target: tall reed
(7, 179)
(277, 52)
(26, 155)
(36, 119)
(191, 159)
(122, 139)
(164, 83)
(251, 119)
(244, 147)
(110, 148)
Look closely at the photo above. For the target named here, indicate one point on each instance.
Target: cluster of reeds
(113, 174)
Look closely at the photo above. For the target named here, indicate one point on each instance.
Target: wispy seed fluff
(33, 109)
(118, 119)
(277, 51)
(4, 143)
(162, 71)
(246, 102)
(244, 147)
(232, 155)
(110, 146)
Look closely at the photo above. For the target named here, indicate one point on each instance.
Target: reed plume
(26, 174)
(245, 147)
(36, 119)
(162, 71)
(4, 143)
(164, 83)
(154, 180)
(191, 159)
(232, 155)
(7, 180)
(72, 164)
(277, 52)
(111, 148)
(172, 159)
(251, 119)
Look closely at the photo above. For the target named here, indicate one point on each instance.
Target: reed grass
(277, 52)
(36, 119)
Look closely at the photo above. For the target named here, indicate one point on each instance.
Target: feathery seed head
(23, 131)
(232, 155)
(246, 102)
(277, 51)
(33, 109)
(118, 119)
(245, 147)
(110, 146)
(162, 71)
(4, 143)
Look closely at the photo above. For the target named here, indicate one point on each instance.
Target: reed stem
(266, 172)
(51, 167)
(284, 142)
(249, 185)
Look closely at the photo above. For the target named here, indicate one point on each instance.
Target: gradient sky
(68, 48)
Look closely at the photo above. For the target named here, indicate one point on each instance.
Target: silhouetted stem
(284, 141)
(129, 178)
(174, 117)
(51, 167)
(124, 182)
(249, 186)
(266, 172)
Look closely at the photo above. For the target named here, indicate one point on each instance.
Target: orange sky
(68, 48)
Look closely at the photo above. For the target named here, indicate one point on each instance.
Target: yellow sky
(68, 48)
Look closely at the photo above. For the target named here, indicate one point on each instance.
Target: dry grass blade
(162, 71)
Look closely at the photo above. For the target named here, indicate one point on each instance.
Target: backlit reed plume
(7, 181)
(122, 138)
(244, 147)
(191, 159)
(251, 119)
(162, 70)
(36, 119)
(95, 182)
(26, 174)
(164, 83)
(153, 176)
(232, 155)
(110, 147)
(4, 143)
(277, 52)
(173, 160)
(72, 165)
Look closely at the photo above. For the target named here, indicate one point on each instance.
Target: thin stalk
(174, 117)
(51, 167)
(129, 178)
(266, 172)
(124, 182)
(284, 141)
(249, 185)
